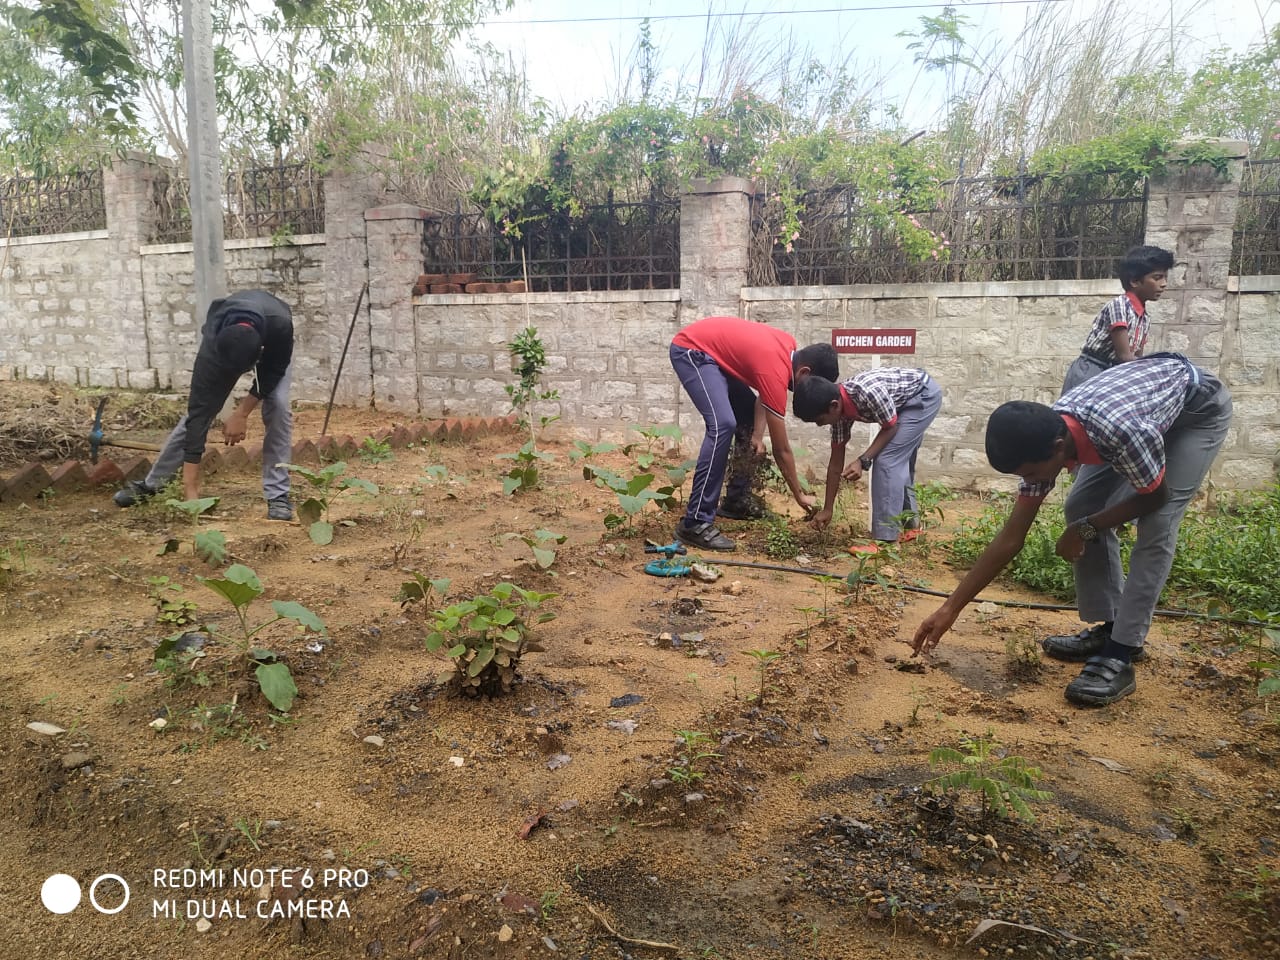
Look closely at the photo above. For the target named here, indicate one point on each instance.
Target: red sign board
(873, 341)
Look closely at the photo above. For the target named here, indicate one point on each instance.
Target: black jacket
(212, 381)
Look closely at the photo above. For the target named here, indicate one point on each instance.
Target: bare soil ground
(541, 824)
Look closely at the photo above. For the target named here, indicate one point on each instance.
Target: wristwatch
(865, 462)
(1087, 531)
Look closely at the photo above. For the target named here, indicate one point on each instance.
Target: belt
(924, 382)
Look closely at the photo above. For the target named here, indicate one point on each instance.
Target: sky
(574, 65)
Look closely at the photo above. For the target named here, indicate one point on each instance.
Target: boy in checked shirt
(1145, 434)
(904, 402)
(1119, 332)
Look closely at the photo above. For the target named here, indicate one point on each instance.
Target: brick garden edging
(33, 478)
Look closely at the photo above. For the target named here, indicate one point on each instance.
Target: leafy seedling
(762, 658)
(420, 588)
(524, 474)
(1004, 784)
(542, 543)
(209, 545)
(487, 636)
(327, 483)
(240, 586)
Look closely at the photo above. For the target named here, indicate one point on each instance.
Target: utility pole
(204, 164)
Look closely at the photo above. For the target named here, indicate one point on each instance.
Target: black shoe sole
(1081, 699)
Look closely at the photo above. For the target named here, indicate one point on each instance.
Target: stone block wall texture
(606, 355)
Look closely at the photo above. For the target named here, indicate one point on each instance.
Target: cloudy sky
(573, 50)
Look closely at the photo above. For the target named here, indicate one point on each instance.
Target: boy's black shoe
(1079, 647)
(1103, 681)
(134, 492)
(704, 535)
(279, 508)
(748, 507)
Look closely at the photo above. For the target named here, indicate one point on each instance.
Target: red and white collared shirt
(875, 396)
(1123, 312)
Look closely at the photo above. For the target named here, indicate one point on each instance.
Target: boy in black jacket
(250, 330)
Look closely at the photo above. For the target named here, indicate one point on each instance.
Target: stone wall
(606, 355)
(1250, 366)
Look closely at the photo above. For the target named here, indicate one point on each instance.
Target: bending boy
(1119, 332)
(251, 330)
(904, 402)
(1146, 433)
(720, 362)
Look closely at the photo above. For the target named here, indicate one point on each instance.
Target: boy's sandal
(909, 535)
(870, 549)
(1103, 681)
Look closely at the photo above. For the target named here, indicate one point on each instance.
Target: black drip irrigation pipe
(1020, 604)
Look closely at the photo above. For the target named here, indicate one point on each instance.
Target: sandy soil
(540, 824)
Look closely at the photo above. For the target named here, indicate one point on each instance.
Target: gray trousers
(893, 475)
(1103, 592)
(1083, 368)
(277, 444)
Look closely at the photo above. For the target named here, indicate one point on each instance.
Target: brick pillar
(348, 193)
(120, 318)
(1191, 210)
(715, 237)
(394, 236)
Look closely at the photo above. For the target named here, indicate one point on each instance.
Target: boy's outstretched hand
(931, 630)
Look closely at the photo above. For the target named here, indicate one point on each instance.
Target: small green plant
(689, 755)
(632, 493)
(929, 497)
(436, 473)
(528, 361)
(1024, 655)
(487, 636)
(762, 658)
(779, 542)
(373, 450)
(524, 474)
(209, 545)
(172, 609)
(420, 588)
(828, 584)
(221, 721)
(1004, 784)
(808, 613)
(240, 586)
(582, 450)
(326, 483)
(866, 570)
(251, 831)
(547, 904)
(543, 544)
(180, 668)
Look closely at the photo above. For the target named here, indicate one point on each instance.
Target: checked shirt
(1124, 413)
(876, 396)
(1125, 310)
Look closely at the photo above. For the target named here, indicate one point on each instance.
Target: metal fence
(61, 203)
(276, 201)
(615, 245)
(1255, 248)
(989, 228)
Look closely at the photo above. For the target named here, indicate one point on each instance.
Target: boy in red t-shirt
(738, 373)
